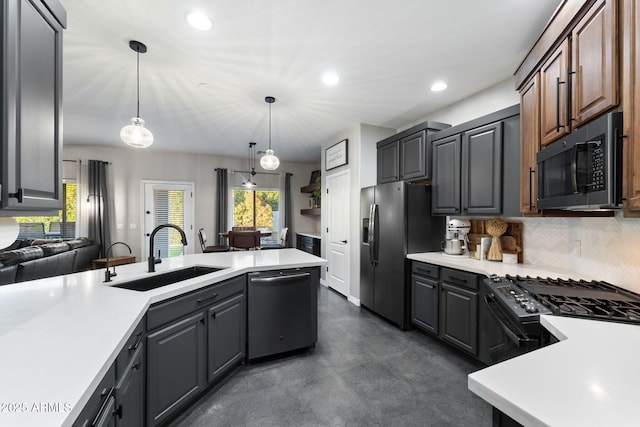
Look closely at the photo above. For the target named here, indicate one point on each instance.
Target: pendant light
(252, 165)
(269, 161)
(135, 134)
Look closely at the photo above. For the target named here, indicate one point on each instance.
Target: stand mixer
(456, 241)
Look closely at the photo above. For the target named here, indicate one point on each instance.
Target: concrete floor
(363, 372)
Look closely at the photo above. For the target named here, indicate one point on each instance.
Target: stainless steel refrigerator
(395, 220)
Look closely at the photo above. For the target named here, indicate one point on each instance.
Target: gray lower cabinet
(425, 297)
(31, 111)
(176, 366)
(308, 244)
(194, 339)
(459, 309)
(226, 336)
(100, 409)
(130, 391)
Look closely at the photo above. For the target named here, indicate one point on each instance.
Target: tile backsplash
(601, 248)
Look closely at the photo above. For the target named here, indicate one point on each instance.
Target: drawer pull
(214, 296)
(457, 279)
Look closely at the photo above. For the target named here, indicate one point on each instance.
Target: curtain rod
(261, 173)
(80, 161)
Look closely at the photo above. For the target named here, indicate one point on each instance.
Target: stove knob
(531, 308)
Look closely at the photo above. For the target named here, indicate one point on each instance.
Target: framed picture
(336, 155)
(314, 176)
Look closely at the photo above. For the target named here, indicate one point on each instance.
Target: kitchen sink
(163, 279)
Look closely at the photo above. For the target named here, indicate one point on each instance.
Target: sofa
(31, 260)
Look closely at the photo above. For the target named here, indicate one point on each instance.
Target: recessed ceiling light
(199, 21)
(438, 86)
(330, 78)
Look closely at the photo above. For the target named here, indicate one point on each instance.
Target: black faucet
(107, 274)
(152, 261)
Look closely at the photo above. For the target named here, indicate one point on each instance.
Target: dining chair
(244, 239)
(243, 228)
(202, 235)
(282, 241)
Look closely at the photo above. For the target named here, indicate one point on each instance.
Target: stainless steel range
(577, 298)
(515, 304)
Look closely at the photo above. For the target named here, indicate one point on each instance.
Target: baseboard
(354, 301)
(324, 283)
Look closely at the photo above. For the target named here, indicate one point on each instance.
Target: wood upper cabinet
(579, 78)
(529, 144)
(594, 62)
(554, 120)
(631, 105)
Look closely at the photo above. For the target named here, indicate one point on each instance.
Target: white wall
(362, 166)
(129, 166)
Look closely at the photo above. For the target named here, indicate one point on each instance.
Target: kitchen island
(60, 335)
(586, 379)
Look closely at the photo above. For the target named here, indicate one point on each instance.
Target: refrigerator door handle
(373, 224)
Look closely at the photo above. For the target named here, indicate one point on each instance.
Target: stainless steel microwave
(583, 171)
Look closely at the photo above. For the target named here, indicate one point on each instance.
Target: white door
(168, 203)
(337, 199)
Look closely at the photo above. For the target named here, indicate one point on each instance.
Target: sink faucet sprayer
(152, 261)
(107, 274)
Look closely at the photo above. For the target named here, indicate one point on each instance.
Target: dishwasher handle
(282, 278)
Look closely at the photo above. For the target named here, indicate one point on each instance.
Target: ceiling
(203, 92)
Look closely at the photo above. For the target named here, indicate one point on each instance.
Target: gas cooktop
(579, 298)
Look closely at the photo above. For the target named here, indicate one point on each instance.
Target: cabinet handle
(558, 83)
(17, 195)
(137, 344)
(569, 119)
(457, 279)
(136, 366)
(207, 298)
(531, 172)
(213, 315)
(202, 320)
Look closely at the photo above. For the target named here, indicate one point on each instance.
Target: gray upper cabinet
(446, 176)
(389, 162)
(476, 166)
(414, 159)
(407, 155)
(482, 170)
(31, 104)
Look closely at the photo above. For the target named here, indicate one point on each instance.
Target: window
(258, 207)
(61, 226)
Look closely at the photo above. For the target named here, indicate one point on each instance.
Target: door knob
(343, 241)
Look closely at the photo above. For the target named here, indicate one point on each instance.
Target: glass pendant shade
(136, 135)
(269, 161)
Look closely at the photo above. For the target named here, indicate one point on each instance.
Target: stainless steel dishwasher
(282, 311)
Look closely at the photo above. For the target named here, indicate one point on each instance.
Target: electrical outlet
(120, 226)
(577, 247)
(133, 226)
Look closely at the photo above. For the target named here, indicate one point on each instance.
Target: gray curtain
(99, 216)
(288, 217)
(222, 186)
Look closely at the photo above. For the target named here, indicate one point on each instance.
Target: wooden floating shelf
(310, 188)
(312, 211)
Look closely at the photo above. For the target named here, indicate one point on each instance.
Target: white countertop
(588, 379)
(309, 234)
(58, 336)
(492, 267)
